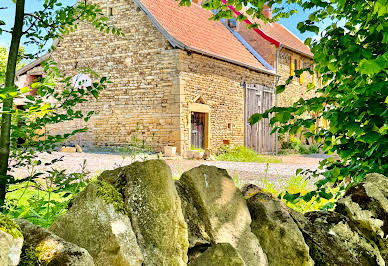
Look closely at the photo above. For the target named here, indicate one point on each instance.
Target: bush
(43, 202)
(299, 185)
(242, 154)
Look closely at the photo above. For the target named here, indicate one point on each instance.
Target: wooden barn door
(258, 137)
(198, 130)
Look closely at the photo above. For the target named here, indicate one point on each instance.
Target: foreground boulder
(366, 204)
(155, 210)
(11, 241)
(98, 221)
(42, 247)
(216, 212)
(219, 255)
(276, 230)
(334, 240)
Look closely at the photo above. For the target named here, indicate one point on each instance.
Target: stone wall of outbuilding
(143, 98)
(221, 86)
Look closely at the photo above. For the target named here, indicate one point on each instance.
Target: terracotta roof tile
(192, 27)
(278, 32)
(285, 37)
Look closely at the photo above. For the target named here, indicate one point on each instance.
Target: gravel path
(95, 163)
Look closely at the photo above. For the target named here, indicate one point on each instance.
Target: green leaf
(280, 89)
(292, 198)
(369, 67)
(94, 93)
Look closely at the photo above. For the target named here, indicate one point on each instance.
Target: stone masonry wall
(143, 99)
(296, 89)
(220, 85)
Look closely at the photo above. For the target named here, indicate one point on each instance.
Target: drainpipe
(277, 78)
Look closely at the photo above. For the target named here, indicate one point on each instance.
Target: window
(294, 65)
(232, 23)
(110, 11)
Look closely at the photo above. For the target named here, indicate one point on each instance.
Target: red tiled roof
(192, 27)
(285, 37)
(275, 33)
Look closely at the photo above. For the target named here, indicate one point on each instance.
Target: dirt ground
(95, 163)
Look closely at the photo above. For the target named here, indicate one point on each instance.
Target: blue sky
(32, 5)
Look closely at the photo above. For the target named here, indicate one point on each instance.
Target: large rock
(334, 240)
(11, 241)
(366, 204)
(222, 254)
(216, 212)
(98, 221)
(42, 247)
(276, 230)
(155, 210)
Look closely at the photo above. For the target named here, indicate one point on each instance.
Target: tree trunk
(17, 33)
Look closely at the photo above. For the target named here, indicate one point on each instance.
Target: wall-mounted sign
(81, 81)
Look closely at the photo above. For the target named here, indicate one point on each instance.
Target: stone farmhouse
(179, 79)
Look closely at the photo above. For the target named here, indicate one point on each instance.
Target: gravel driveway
(95, 163)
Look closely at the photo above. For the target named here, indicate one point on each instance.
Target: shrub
(43, 202)
(297, 185)
(242, 154)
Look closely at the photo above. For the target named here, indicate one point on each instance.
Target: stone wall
(268, 51)
(297, 88)
(219, 84)
(142, 65)
(153, 85)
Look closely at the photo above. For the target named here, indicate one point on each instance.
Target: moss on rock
(366, 204)
(219, 254)
(98, 221)
(9, 226)
(155, 210)
(217, 212)
(42, 248)
(277, 232)
(111, 196)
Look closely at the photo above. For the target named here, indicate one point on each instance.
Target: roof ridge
(185, 46)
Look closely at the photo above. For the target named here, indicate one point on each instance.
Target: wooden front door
(198, 130)
(258, 137)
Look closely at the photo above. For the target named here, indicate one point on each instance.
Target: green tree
(51, 21)
(4, 59)
(351, 58)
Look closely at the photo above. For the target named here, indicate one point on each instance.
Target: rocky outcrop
(42, 247)
(276, 230)
(98, 221)
(219, 255)
(334, 240)
(366, 204)
(11, 241)
(216, 212)
(155, 210)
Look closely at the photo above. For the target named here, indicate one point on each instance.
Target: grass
(37, 206)
(243, 154)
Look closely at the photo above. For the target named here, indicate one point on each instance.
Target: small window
(110, 11)
(229, 125)
(232, 23)
(296, 65)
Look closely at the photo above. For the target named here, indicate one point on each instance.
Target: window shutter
(292, 66)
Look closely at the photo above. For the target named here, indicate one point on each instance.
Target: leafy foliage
(4, 59)
(43, 200)
(51, 100)
(242, 154)
(351, 60)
